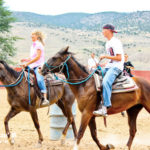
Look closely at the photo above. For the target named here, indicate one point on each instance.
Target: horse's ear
(64, 50)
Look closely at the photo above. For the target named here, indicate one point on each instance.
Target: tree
(7, 41)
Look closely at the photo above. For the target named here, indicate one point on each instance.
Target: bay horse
(88, 98)
(18, 99)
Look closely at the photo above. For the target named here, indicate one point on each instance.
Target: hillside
(130, 23)
(82, 32)
(69, 20)
(82, 42)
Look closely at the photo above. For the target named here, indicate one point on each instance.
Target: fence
(145, 74)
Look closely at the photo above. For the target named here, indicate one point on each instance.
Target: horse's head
(54, 63)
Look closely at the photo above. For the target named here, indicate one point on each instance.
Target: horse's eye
(54, 58)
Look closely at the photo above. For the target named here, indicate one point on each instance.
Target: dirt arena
(116, 133)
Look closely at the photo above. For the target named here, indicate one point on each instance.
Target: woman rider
(36, 60)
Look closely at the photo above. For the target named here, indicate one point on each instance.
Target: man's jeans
(108, 80)
(40, 81)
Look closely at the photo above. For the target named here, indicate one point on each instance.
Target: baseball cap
(110, 27)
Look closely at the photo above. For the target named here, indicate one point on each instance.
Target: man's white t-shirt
(92, 63)
(114, 47)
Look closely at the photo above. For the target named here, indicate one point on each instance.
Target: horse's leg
(132, 116)
(67, 111)
(93, 129)
(61, 106)
(74, 127)
(86, 117)
(68, 100)
(10, 115)
(34, 116)
(70, 120)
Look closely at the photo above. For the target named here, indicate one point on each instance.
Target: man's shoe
(45, 102)
(101, 111)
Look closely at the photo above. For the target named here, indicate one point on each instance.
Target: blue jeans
(40, 81)
(108, 80)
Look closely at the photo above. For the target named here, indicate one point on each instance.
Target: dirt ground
(116, 133)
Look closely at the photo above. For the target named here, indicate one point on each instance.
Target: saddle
(32, 77)
(50, 83)
(48, 78)
(120, 85)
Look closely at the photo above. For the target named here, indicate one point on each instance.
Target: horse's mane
(82, 67)
(10, 70)
(65, 51)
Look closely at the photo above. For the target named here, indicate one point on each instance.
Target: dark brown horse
(87, 97)
(19, 100)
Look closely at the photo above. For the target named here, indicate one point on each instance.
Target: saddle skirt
(31, 78)
(120, 85)
(49, 77)
(52, 80)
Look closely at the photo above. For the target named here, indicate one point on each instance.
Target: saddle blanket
(120, 85)
(48, 78)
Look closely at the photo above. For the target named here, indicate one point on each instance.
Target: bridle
(61, 66)
(64, 64)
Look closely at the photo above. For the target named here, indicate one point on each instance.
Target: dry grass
(82, 43)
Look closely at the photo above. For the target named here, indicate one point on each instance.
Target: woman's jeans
(108, 80)
(40, 81)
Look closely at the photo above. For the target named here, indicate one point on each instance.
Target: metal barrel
(58, 122)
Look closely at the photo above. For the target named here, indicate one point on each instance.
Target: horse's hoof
(11, 141)
(38, 145)
(62, 142)
(63, 139)
(110, 146)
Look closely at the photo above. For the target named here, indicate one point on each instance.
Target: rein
(29, 85)
(16, 82)
(75, 83)
(65, 64)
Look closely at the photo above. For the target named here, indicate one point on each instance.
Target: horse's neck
(75, 72)
(9, 79)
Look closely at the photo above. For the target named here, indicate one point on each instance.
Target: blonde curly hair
(40, 36)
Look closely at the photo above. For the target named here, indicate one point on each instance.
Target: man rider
(112, 69)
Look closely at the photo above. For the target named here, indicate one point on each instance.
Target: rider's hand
(102, 57)
(23, 66)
